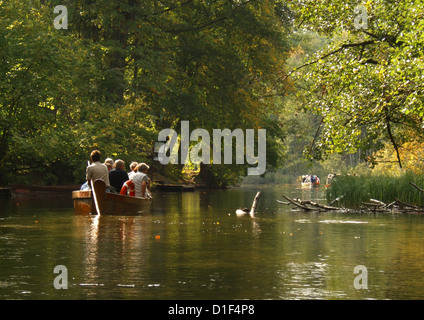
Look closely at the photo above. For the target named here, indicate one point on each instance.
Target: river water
(193, 246)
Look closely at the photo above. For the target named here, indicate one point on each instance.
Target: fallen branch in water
(336, 200)
(373, 206)
(396, 206)
(255, 202)
(406, 205)
(378, 202)
(245, 211)
(299, 205)
(321, 206)
(308, 205)
(282, 202)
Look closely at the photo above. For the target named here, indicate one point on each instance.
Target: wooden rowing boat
(108, 203)
(309, 185)
(309, 181)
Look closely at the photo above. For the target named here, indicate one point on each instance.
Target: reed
(357, 189)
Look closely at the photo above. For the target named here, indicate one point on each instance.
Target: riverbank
(5, 192)
(358, 189)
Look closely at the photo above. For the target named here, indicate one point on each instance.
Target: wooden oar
(93, 190)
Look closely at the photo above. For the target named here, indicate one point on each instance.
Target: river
(193, 246)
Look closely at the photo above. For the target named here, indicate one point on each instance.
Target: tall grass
(357, 189)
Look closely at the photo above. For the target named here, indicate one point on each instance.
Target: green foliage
(37, 89)
(123, 71)
(357, 189)
(367, 83)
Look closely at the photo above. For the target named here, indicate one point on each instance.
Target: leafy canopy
(123, 71)
(367, 84)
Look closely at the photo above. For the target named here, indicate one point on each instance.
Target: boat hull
(26, 191)
(307, 185)
(110, 204)
(310, 181)
(174, 188)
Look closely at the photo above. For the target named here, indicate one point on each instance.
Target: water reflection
(91, 258)
(112, 250)
(307, 279)
(193, 246)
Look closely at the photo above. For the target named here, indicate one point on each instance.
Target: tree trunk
(207, 176)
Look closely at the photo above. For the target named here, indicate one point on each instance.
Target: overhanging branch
(342, 47)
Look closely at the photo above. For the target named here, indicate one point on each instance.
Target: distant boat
(309, 181)
(106, 203)
(174, 187)
(330, 179)
(19, 190)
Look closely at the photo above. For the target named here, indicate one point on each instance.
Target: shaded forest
(119, 72)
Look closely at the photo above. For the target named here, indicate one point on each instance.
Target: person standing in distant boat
(96, 170)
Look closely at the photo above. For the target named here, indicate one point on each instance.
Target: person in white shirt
(96, 170)
(142, 181)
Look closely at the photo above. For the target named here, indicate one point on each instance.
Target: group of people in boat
(310, 179)
(136, 183)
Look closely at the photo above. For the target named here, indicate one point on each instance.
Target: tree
(367, 84)
(123, 71)
(41, 71)
(205, 62)
(240, 50)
